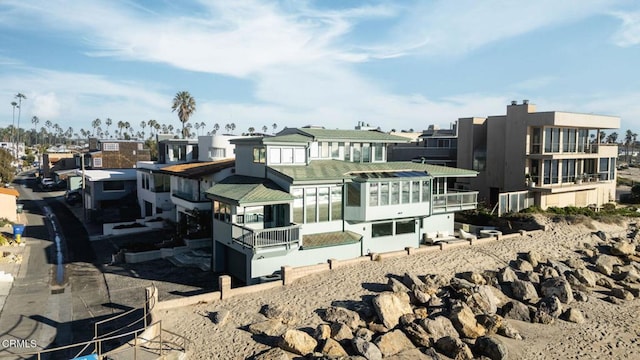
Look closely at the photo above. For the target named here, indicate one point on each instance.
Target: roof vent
(525, 102)
(513, 102)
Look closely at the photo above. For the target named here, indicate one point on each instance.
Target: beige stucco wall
(8, 207)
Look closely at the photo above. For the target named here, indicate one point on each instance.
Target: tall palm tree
(197, 126)
(628, 137)
(275, 126)
(108, 122)
(20, 97)
(233, 126)
(612, 138)
(13, 125)
(216, 127)
(185, 104)
(120, 127)
(143, 124)
(227, 127)
(35, 121)
(264, 129)
(169, 128)
(251, 130)
(95, 124)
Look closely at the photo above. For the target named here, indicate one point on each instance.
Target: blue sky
(391, 64)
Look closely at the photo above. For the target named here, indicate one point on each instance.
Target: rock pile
(424, 317)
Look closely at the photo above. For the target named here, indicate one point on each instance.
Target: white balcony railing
(455, 201)
(260, 238)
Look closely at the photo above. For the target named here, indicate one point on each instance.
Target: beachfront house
(310, 194)
(549, 158)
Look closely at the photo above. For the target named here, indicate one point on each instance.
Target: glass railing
(455, 201)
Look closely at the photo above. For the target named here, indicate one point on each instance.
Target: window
(140, 146)
(274, 156)
(356, 152)
(324, 150)
(395, 193)
(479, 159)
(384, 193)
(405, 192)
(612, 169)
(353, 194)
(425, 191)
(221, 211)
(336, 203)
(568, 170)
(298, 206)
(323, 204)
(287, 156)
(377, 152)
(552, 140)
(215, 152)
(373, 194)
(259, 154)
(161, 183)
(299, 155)
(347, 152)
(335, 150)
(583, 140)
(117, 185)
(110, 147)
(604, 169)
(97, 162)
(366, 153)
(310, 204)
(381, 229)
(550, 171)
(405, 227)
(144, 179)
(415, 191)
(569, 140)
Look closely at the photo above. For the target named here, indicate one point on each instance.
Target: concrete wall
(8, 207)
(244, 162)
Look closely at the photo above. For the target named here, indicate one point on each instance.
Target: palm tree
(227, 127)
(186, 105)
(233, 126)
(169, 128)
(251, 130)
(197, 126)
(602, 135)
(13, 125)
(143, 124)
(216, 127)
(95, 124)
(120, 127)
(35, 121)
(612, 138)
(108, 122)
(264, 129)
(20, 97)
(628, 137)
(152, 126)
(48, 125)
(275, 126)
(202, 125)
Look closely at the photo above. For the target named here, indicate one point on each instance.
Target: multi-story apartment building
(546, 159)
(115, 154)
(310, 194)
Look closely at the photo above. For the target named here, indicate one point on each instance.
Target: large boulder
(333, 348)
(534, 258)
(465, 322)
(621, 293)
(586, 277)
(491, 322)
(557, 287)
(516, 310)
(605, 263)
(523, 290)
(336, 314)
(415, 354)
(559, 266)
(322, 332)
(273, 354)
(341, 332)
(417, 334)
(573, 315)
(454, 348)
(390, 306)
(279, 312)
(220, 317)
(297, 342)
(411, 280)
(366, 348)
(483, 301)
(507, 275)
(623, 248)
(396, 285)
(393, 342)
(490, 347)
(473, 277)
(439, 327)
(523, 265)
(269, 327)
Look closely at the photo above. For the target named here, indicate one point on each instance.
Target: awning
(245, 190)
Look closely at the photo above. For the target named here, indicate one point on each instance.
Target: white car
(46, 182)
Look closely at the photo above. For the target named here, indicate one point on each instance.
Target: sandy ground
(611, 331)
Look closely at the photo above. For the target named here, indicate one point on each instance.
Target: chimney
(525, 102)
(513, 102)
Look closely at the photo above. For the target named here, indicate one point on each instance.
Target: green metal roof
(245, 190)
(290, 138)
(359, 135)
(333, 170)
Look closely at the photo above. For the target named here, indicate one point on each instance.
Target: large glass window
(161, 183)
(324, 150)
(287, 156)
(377, 152)
(552, 139)
(310, 205)
(395, 193)
(323, 204)
(335, 150)
(569, 140)
(259, 154)
(405, 227)
(425, 191)
(384, 193)
(353, 194)
(356, 152)
(347, 152)
(221, 211)
(298, 206)
(568, 170)
(612, 169)
(404, 188)
(382, 229)
(551, 171)
(415, 191)
(299, 155)
(366, 153)
(373, 194)
(583, 140)
(336, 203)
(274, 156)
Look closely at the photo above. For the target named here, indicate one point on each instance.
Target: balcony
(454, 201)
(573, 183)
(262, 238)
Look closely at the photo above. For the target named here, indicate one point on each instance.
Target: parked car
(73, 197)
(55, 185)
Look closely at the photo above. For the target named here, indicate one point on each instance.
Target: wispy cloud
(629, 32)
